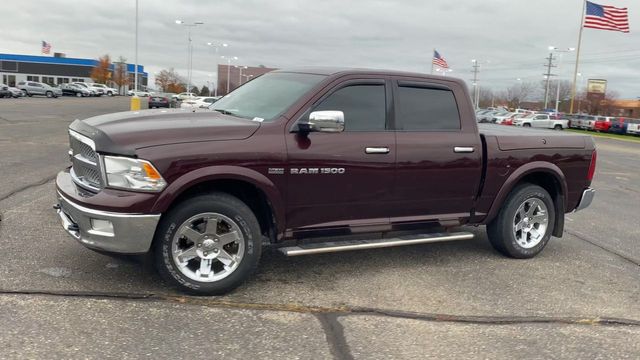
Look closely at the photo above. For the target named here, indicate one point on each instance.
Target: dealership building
(57, 69)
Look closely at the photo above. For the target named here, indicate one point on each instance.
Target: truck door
(343, 178)
(439, 161)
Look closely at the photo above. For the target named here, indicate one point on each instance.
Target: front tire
(557, 127)
(526, 125)
(78, 94)
(208, 244)
(49, 94)
(525, 222)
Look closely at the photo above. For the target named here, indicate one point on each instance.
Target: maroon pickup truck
(314, 161)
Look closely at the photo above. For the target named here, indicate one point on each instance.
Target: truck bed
(517, 138)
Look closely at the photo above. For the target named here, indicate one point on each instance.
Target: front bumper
(585, 199)
(128, 233)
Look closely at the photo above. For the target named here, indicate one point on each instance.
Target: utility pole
(548, 75)
(476, 92)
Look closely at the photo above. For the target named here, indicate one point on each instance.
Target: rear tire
(526, 125)
(78, 94)
(525, 222)
(557, 127)
(192, 252)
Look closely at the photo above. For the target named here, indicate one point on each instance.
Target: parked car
(586, 122)
(509, 120)
(316, 158)
(603, 123)
(159, 101)
(92, 91)
(30, 88)
(105, 89)
(541, 121)
(619, 126)
(501, 117)
(74, 90)
(16, 92)
(198, 102)
(139, 93)
(633, 126)
(186, 95)
(4, 91)
(485, 117)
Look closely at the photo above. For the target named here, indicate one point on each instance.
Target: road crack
(340, 311)
(27, 187)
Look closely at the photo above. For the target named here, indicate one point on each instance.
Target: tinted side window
(421, 108)
(364, 106)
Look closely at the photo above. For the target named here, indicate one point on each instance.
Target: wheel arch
(547, 175)
(253, 188)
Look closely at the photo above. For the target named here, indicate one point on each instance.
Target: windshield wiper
(226, 112)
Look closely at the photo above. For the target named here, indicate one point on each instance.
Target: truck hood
(122, 133)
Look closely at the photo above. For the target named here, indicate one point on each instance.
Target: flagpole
(432, 55)
(575, 70)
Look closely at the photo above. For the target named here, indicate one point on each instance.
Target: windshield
(267, 96)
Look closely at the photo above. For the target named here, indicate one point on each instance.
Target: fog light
(101, 227)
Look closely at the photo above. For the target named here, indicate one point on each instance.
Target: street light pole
(216, 54)
(189, 49)
(240, 76)
(135, 100)
(135, 70)
(559, 69)
(229, 58)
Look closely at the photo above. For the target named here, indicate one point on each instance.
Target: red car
(603, 123)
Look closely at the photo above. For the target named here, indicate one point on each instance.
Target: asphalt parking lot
(580, 298)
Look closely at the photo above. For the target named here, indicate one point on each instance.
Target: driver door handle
(463, 149)
(376, 150)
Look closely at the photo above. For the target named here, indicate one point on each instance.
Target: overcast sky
(509, 37)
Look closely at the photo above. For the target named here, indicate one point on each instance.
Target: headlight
(132, 174)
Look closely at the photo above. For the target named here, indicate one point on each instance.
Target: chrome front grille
(83, 149)
(85, 171)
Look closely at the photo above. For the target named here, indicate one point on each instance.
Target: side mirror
(323, 121)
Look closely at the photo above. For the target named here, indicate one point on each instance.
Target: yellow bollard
(135, 103)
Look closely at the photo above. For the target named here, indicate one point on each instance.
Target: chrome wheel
(208, 247)
(530, 223)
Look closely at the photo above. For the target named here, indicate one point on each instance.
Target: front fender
(518, 175)
(222, 172)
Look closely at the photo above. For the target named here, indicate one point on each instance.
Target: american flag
(46, 47)
(439, 60)
(606, 17)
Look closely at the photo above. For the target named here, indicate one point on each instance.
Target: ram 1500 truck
(314, 161)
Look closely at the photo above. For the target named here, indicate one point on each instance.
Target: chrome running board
(337, 246)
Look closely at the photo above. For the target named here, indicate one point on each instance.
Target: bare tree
(169, 80)
(605, 107)
(518, 93)
(486, 96)
(120, 76)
